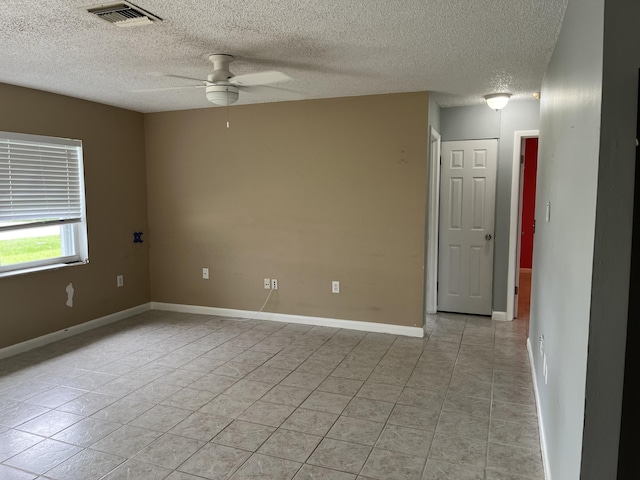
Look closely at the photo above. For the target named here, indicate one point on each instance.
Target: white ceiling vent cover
(123, 14)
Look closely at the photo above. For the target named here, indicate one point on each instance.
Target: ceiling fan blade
(260, 78)
(163, 89)
(186, 78)
(296, 65)
(269, 89)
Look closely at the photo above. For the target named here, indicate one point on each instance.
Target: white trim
(513, 218)
(543, 438)
(433, 224)
(516, 295)
(287, 318)
(500, 316)
(73, 330)
(54, 266)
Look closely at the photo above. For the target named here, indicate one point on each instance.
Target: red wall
(528, 201)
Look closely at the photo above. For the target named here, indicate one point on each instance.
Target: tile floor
(185, 397)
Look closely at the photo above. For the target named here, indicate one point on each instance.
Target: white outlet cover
(335, 286)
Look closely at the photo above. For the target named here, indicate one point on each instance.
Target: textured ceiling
(463, 49)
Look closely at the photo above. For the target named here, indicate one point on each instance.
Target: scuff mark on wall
(70, 291)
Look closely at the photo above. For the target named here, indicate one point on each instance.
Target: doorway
(627, 460)
(515, 230)
(526, 222)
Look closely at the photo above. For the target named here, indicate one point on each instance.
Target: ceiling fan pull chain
(227, 116)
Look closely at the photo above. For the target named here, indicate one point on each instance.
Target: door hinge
(516, 290)
(521, 159)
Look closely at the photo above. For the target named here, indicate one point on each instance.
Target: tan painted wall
(306, 192)
(34, 304)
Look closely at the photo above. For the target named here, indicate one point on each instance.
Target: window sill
(55, 266)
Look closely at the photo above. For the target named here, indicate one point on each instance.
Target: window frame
(73, 232)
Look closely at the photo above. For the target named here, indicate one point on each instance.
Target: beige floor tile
(265, 413)
(311, 472)
(87, 465)
(339, 455)
(291, 445)
(169, 451)
(13, 442)
(387, 465)
(245, 435)
(310, 421)
(43, 456)
(186, 397)
(263, 467)
(356, 430)
(215, 461)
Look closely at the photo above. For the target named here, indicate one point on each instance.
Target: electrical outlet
(205, 273)
(541, 344)
(267, 284)
(120, 280)
(274, 284)
(335, 286)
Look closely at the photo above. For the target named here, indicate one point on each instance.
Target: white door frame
(433, 223)
(516, 295)
(514, 237)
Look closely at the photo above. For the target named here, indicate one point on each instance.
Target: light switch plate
(547, 214)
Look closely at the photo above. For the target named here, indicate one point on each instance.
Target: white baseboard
(499, 316)
(225, 312)
(287, 318)
(69, 332)
(543, 438)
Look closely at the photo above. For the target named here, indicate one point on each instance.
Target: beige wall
(306, 192)
(34, 304)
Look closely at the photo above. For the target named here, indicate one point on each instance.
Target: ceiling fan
(222, 87)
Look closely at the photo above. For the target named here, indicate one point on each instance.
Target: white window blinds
(41, 180)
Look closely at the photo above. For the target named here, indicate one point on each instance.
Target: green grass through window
(29, 249)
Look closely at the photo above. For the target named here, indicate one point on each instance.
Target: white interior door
(467, 209)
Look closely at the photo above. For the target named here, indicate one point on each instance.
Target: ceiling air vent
(123, 14)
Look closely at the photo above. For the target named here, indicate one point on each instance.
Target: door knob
(488, 236)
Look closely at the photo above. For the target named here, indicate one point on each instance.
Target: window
(42, 204)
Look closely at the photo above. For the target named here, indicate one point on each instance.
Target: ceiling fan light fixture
(222, 95)
(497, 101)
